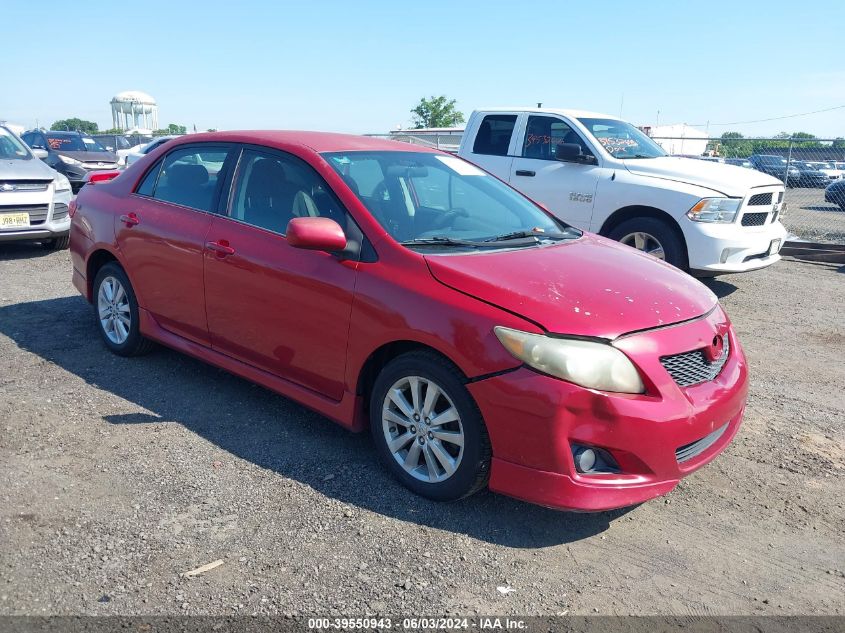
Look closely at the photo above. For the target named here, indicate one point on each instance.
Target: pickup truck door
(567, 189)
(493, 141)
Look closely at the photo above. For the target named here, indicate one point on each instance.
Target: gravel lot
(116, 475)
(810, 217)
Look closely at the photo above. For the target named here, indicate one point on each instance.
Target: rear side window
(494, 134)
(148, 184)
(189, 176)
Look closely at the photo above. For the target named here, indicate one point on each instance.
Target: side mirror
(315, 234)
(40, 153)
(571, 153)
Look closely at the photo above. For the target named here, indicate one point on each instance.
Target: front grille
(754, 219)
(692, 368)
(96, 165)
(24, 185)
(59, 211)
(760, 199)
(37, 212)
(688, 451)
(780, 197)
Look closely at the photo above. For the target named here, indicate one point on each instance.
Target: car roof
(575, 114)
(316, 141)
(62, 133)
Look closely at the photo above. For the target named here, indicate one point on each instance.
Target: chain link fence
(812, 169)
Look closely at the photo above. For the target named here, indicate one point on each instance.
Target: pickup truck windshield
(73, 143)
(439, 201)
(622, 140)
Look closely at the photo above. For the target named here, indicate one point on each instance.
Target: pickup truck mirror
(571, 153)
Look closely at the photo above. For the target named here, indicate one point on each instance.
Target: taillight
(71, 208)
(101, 176)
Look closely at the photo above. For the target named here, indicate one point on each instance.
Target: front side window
(440, 199)
(494, 134)
(621, 139)
(544, 133)
(272, 189)
(189, 176)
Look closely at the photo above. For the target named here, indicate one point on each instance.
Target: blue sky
(360, 66)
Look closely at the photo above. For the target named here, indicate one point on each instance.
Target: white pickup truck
(601, 174)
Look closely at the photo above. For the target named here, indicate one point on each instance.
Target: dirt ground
(118, 474)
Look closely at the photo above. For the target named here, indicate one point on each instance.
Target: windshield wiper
(518, 235)
(439, 240)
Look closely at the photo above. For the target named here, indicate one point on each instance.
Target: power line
(775, 118)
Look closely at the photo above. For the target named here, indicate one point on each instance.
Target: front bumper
(49, 228)
(533, 420)
(731, 248)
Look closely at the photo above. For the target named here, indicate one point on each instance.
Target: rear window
(494, 134)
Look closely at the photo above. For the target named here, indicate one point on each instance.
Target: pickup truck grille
(760, 199)
(754, 219)
(693, 368)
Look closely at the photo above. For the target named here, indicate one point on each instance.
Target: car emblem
(100, 164)
(714, 351)
(7, 187)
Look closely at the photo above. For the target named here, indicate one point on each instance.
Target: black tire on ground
(673, 247)
(135, 344)
(473, 471)
(57, 243)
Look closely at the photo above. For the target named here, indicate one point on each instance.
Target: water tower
(134, 110)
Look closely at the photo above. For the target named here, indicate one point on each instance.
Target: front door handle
(221, 247)
(130, 219)
(525, 172)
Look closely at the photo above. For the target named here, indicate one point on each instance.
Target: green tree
(73, 125)
(839, 143)
(171, 129)
(734, 145)
(436, 112)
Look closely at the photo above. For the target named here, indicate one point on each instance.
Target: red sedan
(388, 286)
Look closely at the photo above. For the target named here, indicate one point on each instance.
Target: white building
(680, 139)
(134, 110)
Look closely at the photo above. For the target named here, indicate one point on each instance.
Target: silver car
(34, 198)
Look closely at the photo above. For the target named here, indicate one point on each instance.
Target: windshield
(11, 148)
(73, 143)
(622, 140)
(443, 200)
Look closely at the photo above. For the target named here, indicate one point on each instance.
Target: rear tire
(57, 243)
(443, 461)
(117, 312)
(652, 234)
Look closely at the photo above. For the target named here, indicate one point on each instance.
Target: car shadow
(828, 208)
(720, 288)
(22, 250)
(268, 430)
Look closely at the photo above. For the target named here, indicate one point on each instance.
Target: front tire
(117, 312)
(57, 243)
(427, 428)
(654, 237)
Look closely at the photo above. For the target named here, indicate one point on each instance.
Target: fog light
(585, 459)
(591, 460)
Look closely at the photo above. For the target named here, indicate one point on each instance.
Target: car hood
(588, 287)
(32, 169)
(91, 157)
(729, 180)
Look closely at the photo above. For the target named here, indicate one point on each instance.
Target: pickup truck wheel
(427, 428)
(651, 236)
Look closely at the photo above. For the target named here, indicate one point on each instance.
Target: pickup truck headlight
(586, 363)
(61, 183)
(67, 160)
(715, 210)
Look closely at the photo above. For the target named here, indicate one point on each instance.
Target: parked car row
(793, 173)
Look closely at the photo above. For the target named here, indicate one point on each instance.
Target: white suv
(34, 198)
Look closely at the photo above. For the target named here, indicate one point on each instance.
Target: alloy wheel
(644, 242)
(113, 310)
(422, 428)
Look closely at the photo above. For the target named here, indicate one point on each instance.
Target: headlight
(69, 161)
(61, 183)
(715, 210)
(592, 365)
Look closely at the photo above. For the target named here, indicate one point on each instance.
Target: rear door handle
(130, 219)
(525, 172)
(221, 247)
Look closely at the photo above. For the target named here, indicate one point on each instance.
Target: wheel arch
(96, 260)
(643, 211)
